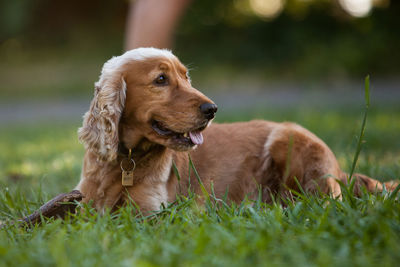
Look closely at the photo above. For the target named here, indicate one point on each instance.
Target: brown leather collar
(122, 150)
(137, 152)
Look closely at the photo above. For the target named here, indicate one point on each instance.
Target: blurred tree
(313, 38)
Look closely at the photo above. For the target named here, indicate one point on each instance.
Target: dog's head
(145, 94)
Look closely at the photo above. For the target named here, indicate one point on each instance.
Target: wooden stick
(57, 207)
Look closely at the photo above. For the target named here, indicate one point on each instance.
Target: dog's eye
(161, 80)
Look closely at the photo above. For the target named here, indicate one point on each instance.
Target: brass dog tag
(127, 178)
(127, 171)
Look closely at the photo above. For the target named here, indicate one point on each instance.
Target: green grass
(38, 162)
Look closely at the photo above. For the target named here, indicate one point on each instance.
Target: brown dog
(144, 103)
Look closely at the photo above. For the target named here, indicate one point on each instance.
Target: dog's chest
(150, 191)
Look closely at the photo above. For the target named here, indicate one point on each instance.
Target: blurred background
(297, 60)
(55, 49)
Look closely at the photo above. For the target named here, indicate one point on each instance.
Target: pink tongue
(196, 137)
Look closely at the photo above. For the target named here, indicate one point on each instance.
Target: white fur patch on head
(137, 54)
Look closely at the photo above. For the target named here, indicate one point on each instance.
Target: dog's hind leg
(370, 184)
(300, 155)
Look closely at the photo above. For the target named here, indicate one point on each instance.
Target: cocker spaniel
(146, 122)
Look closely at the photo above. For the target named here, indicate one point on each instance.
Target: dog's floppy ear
(99, 132)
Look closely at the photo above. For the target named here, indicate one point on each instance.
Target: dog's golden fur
(237, 158)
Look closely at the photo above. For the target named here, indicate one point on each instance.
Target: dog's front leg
(99, 197)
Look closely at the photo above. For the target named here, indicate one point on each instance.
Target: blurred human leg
(152, 22)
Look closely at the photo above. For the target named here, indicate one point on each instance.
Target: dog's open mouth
(192, 137)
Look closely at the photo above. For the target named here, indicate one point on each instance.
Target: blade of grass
(203, 188)
(394, 193)
(178, 176)
(362, 132)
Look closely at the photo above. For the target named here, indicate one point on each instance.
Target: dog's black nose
(208, 110)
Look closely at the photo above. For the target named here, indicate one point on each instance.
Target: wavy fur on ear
(99, 132)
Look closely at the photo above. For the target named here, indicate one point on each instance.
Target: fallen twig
(57, 207)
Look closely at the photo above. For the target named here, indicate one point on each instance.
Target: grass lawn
(38, 162)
